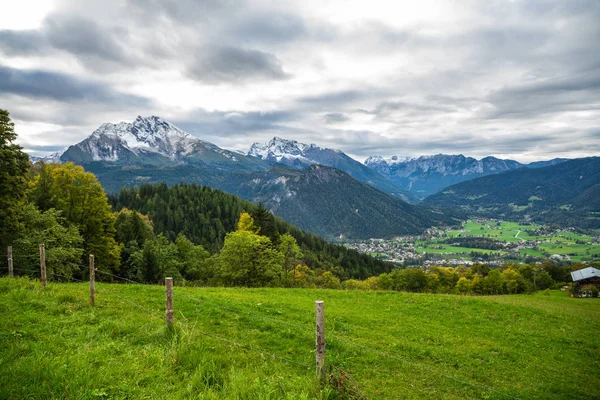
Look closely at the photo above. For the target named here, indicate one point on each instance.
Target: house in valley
(586, 282)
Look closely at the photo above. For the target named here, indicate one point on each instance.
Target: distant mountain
(566, 193)
(318, 199)
(154, 141)
(329, 202)
(426, 175)
(299, 156)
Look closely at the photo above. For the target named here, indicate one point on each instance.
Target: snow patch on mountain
(278, 149)
(150, 134)
(145, 136)
(440, 163)
(50, 158)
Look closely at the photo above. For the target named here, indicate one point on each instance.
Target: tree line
(479, 279)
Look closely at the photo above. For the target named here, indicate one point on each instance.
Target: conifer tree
(14, 164)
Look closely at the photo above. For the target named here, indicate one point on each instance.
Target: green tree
(63, 243)
(157, 259)
(410, 279)
(14, 164)
(193, 260)
(80, 197)
(303, 277)
(132, 226)
(493, 283)
(463, 286)
(385, 282)
(290, 250)
(248, 259)
(543, 280)
(265, 221)
(246, 224)
(328, 281)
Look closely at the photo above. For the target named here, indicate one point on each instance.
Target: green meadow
(235, 343)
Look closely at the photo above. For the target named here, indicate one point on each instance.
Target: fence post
(92, 281)
(169, 304)
(43, 264)
(10, 262)
(320, 340)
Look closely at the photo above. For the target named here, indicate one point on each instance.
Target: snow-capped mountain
(151, 141)
(52, 157)
(426, 175)
(300, 155)
(289, 152)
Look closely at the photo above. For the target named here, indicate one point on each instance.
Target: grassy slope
(56, 346)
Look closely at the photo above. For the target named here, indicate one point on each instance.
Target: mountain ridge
(297, 155)
(426, 175)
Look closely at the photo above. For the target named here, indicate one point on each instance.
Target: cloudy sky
(517, 79)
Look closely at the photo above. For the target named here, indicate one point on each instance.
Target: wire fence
(202, 300)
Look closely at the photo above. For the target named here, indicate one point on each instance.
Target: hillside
(320, 200)
(328, 202)
(564, 193)
(259, 343)
(206, 215)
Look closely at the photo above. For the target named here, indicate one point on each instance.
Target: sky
(514, 79)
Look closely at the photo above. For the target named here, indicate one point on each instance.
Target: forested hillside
(206, 215)
(318, 199)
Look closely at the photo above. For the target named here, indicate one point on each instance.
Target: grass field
(562, 243)
(259, 344)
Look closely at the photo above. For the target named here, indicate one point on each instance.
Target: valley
(485, 240)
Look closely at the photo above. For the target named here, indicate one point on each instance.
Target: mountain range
(153, 141)
(318, 198)
(321, 190)
(297, 155)
(426, 175)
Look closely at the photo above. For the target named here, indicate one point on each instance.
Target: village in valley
(489, 241)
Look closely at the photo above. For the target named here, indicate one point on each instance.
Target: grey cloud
(267, 28)
(338, 98)
(25, 42)
(183, 11)
(214, 65)
(574, 93)
(61, 87)
(389, 106)
(84, 38)
(97, 47)
(333, 118)
(227, 123)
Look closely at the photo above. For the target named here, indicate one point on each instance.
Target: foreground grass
(259, 343)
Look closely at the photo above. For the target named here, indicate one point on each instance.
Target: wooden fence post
(10, 262)
(321, 368)
(92, 281)
(169, 304)
(43, 264)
